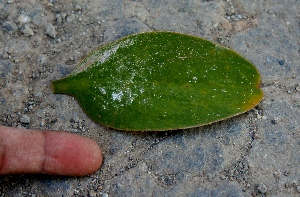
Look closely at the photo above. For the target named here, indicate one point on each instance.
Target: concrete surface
(254, 154)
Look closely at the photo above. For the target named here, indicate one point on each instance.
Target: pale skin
(24, 151)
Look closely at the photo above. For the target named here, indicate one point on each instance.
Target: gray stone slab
(256, 153)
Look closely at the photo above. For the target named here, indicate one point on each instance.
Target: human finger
(47, 152)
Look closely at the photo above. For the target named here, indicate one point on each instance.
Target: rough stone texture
(256, 153)
(9, 27)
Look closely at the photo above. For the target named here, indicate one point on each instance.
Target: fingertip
(70, 155)
(47, 152)
(94, 161)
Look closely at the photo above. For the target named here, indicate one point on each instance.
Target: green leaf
(162, 81)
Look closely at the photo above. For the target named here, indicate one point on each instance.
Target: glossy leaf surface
(162, 81)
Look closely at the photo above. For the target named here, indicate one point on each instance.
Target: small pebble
(93, 193)
(256, 136)
(63, 15)
(273, 121)
(287, 185)
(9, 27)
(262, 188)
(10, 1)
(30, 108)
(254, 194)
(295, 183)
(58, 18)
(258, 116)
(286, 173)
(23, 19)
(281, 62)
(78, 7)
(222, 177)
(70, 17)
(264, 117)
(25, 119)
(210, 177)
(76, 119)
(50, 30)
(76, 191)
(5, 55)
(27, 31)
